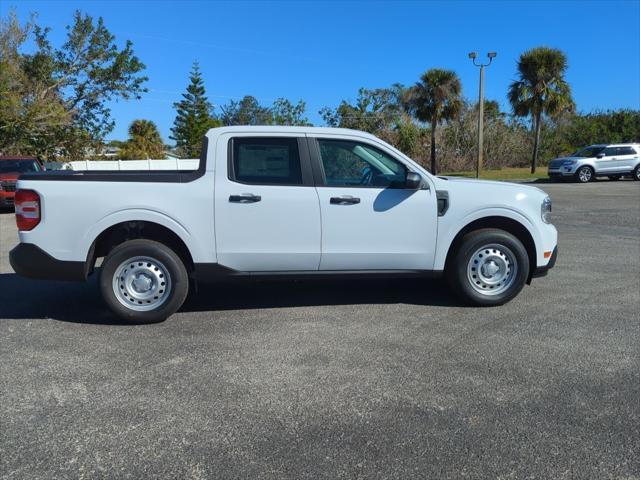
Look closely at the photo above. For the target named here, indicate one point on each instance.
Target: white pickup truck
(280, 201)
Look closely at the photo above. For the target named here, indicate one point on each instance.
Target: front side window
(588, 152)
(610, 151)
(354, 164)
(266, 161)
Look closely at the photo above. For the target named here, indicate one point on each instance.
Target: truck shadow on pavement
(21, 298)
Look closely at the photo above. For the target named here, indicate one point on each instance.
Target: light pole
(473, 56)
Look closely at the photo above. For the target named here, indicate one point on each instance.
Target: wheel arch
(510, 225)
(121, 232)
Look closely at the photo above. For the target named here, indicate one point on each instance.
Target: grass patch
(511, 173)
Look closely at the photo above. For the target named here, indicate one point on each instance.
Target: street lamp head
(473, 55)
(491, 54)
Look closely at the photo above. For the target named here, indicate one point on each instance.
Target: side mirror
(600, 155)
(413, 181)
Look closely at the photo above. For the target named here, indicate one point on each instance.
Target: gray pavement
(371, 379)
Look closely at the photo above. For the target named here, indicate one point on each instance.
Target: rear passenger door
(267, 215)
(626, 158)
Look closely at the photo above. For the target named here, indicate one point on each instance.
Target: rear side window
(266, 161)
(626, 151)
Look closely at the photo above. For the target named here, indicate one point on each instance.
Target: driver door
(370, 221)
(607, 162)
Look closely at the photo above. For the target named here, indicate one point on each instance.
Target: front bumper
(542, 271)
(561, 172)
(30, 261)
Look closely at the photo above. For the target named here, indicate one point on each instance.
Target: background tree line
(195, 115)
(54, 104)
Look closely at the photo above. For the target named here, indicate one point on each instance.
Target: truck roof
(287, 129)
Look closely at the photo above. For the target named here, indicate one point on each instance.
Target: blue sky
(323, 52)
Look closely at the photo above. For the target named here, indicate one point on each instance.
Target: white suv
(613, 161)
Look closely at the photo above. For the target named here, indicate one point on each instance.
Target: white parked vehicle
(280, 201)
(613, 161)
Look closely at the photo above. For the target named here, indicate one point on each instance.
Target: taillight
(27, 204)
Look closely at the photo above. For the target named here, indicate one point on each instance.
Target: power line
(218, 47)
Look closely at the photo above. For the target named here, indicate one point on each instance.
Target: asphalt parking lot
(377, 379)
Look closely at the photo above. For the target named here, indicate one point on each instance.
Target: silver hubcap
(492, 269)
(585, 174)
(638, 173)
(142, 283)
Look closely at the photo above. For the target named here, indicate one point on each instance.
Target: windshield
(19, 166)
(588, 152)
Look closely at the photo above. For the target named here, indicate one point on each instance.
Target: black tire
(168, 267)
(636, 173)
(460, 264)
(615, 177)
(585, 174)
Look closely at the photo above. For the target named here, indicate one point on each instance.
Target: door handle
(344, 200)
(245, 198)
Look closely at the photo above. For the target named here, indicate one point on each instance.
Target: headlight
(545, 210)
(568, 162)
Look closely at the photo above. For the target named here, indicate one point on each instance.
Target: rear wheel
(585, 174)
(143, 281)
(489, 267)
(636, 173)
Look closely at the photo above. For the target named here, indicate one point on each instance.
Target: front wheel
(489, 267)
(584, 174)
(143, 281)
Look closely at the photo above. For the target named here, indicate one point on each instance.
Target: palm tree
(434, 99)
(540, 90)
(144, 141)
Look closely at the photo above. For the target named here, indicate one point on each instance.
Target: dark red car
(11, 167)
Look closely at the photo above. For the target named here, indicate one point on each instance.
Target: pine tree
(193, 117)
